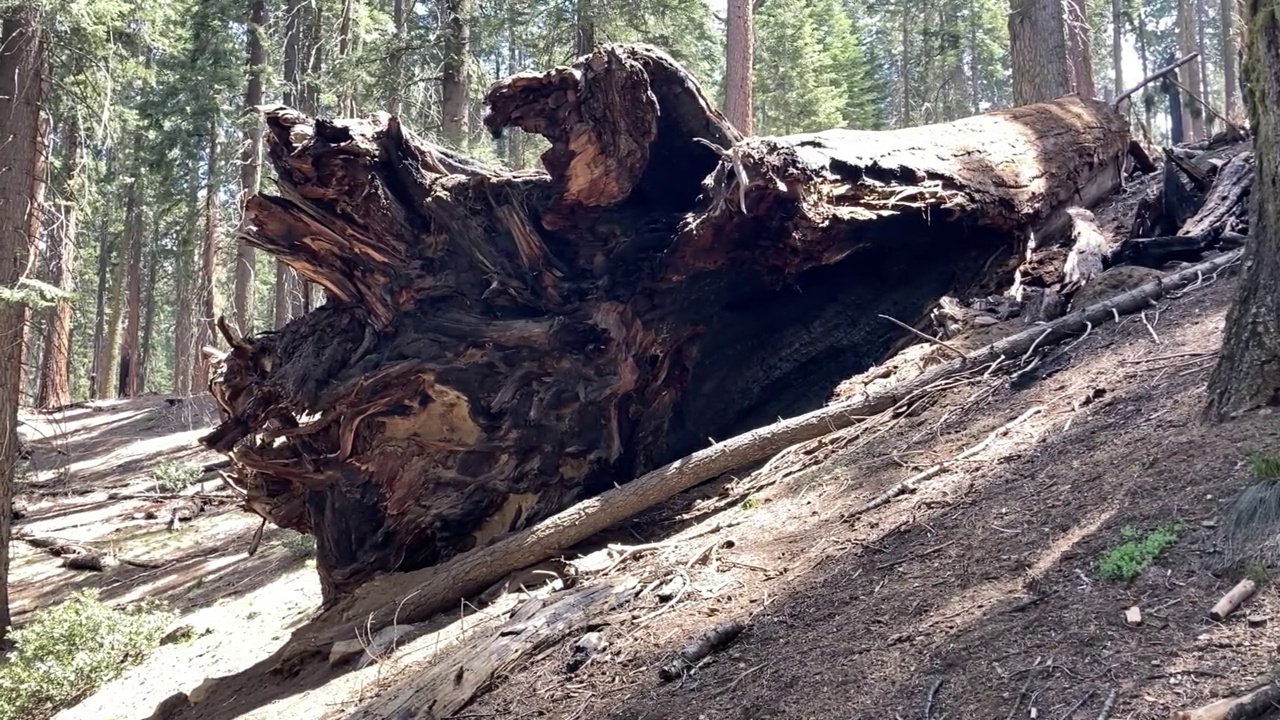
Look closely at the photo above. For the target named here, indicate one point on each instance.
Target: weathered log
(497, 345)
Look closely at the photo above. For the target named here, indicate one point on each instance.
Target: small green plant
(70, 650)
(751, 503)
(1264, 466)
(1257, 572)
(1127, 560)
(299, 545)
(175, 477)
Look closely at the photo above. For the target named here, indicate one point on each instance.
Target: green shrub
(1264, 466)
(70, 650)
(299, 545)
(175, 477)
(1127, 560)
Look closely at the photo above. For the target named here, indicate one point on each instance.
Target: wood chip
(1133, 616)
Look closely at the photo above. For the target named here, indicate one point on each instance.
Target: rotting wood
(1254, 704)
(1226, 206)
(1232, 601)
(450, 684)
(416, 595)
(499, 345)
(711, 641)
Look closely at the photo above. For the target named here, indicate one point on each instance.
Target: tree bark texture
(250, 160)
(1230, 82)
(739, 54)
(453, 80)
(1038, 51)
(1248, 372)
(55, 370)
(131, 349)
(21, 95)
(1192, 117)
(1117, 45)
(497, 345)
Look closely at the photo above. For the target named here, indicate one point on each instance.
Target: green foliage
(751, 503)
(174, 477)
(70, 650)
(299, 545)
(1129, 559)
(32, 293)
(1257, 572)
(1265, 466)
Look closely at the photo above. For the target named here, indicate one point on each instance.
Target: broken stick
(1245, 707)
(1233, 599)
(713, 640)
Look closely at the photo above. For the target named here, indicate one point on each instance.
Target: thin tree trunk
(1205, 88)
(347, 93)
(55, 368)
(1230, 83)
(739, 58)
(904, 68)
(129, 350)
(1079, 49)
(149, 314)
(287, 280)
(1192, 126)
(100, 306)
(250, 163)
(183, 286)
(453, 82)
(108, 380)
(975, 69)
(1117, 45)
(208, 264)
(584, 26)
(1248, 372)
(395, 98)
(22, 88)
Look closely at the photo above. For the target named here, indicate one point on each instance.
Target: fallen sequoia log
(498, 345)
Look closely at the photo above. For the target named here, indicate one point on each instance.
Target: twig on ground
(928, 699)
(1109, 704)
(917, 556)
(1017, 703)
(1150, 329)
(936, 341)
(1070, 713)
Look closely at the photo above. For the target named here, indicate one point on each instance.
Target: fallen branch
(79, 556)
(1109, 704)
(926, 713)
(417, 595)
(1254, 704)
(713, 640)
(1233, 599)
(912, 483)
(1208, 107)
(1155, 76)
(451, 684)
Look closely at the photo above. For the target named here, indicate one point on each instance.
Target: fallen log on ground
(413, 596)
(1255, 704)
(498, 345)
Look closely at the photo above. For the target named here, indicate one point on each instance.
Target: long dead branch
(1155, 76)
(416, 595)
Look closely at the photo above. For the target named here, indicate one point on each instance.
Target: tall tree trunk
(135, 222)
(975, 68)
(149, 313)
(1192, 124)
(22, 71)
(1117, 45)
(1230, 83)
(208, 264)
(108, 380)
(453, 75)
(395, 63)
(55, 368)
(1038, 51)
(904, 65)
(1205, 87)
(97, 367)
(287, 281)
(739, 59)
(1248, 372)
(184, 284)
(1079, 49)
(250, 162)
(40, 183)
(584, 26)
(346, 93)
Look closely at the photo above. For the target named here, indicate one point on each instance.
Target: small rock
(170, 706)
(382, 641)
(587, 647)
(1133, 616)
(201, 693)
(670, 589)
(180, 633)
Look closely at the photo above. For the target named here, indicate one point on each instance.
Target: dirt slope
(985, 579)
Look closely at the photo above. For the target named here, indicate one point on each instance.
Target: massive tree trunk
(250, 160)
(1248, 371)
(498, 344)
(739, 58)
(55, 367)
(1038, 50)
(21, 89)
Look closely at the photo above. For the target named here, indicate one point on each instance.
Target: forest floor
(985, 579)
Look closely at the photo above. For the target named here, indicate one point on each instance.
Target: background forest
(151, 145)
